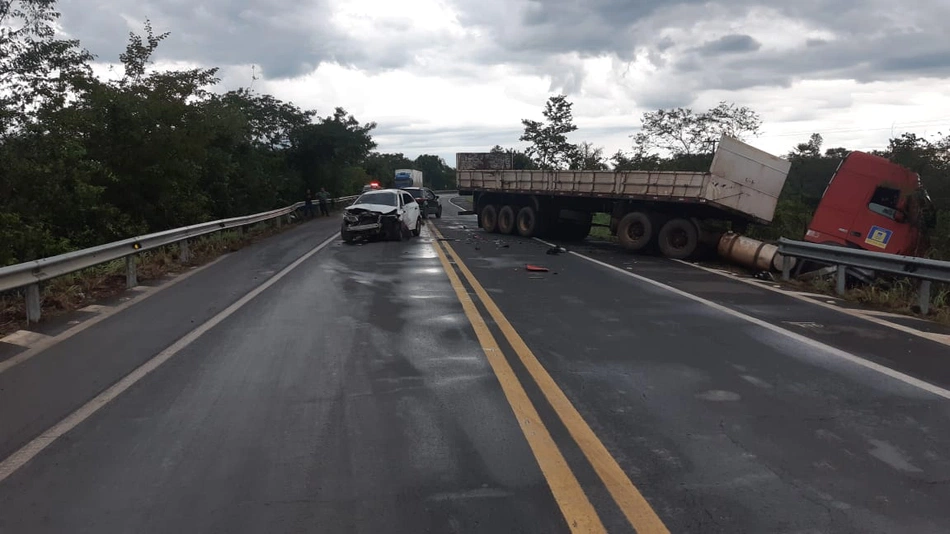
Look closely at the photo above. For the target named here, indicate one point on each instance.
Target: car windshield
(418, 193)
(385, 198)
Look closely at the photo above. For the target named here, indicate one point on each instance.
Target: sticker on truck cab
(878, 237)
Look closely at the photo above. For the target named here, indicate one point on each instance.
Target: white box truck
(408, 178)
(665, 208)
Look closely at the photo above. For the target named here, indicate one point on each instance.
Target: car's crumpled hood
(378, 208)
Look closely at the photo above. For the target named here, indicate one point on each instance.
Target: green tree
(682, 132)
(588, 157)
(382, 167)
(435, 172)
(519, 160)
(549, 144)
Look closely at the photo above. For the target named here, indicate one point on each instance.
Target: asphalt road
(726, 425)
(435, 385)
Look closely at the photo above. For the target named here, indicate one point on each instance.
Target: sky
(447, 76)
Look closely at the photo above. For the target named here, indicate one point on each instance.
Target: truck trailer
(672, 210)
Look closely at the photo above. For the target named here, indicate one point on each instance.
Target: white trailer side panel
(662, 185)
(746, 179)
(742, 178)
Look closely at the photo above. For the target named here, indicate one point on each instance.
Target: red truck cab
(873, 204)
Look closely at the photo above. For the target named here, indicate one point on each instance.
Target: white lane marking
(94, 308)
(457, 206)
(887, 371)
(24, 338)
(34, 447)
(943, 339)
(143, 293)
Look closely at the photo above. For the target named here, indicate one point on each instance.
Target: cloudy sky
(441, 76)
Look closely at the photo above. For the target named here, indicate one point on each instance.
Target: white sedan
(387, 213)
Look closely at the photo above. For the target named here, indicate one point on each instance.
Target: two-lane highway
(436, 385)
(349, 396)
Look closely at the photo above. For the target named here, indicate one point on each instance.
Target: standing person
(324, 197)
(308, 204)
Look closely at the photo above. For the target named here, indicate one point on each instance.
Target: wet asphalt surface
(726, 426)
(353, 396)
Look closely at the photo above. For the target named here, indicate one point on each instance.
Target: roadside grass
(898, 295)
(77, 290)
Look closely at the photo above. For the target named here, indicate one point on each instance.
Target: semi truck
(873, 204)
(408, 178)
(672, 210)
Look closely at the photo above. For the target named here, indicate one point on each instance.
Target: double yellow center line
(568, 493)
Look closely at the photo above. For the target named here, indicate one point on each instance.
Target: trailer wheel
(679, 239)
(635, 231)
(527, 222)
(506, 219)
(490, 218)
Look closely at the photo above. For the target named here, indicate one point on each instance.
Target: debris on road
(536, 268)
(556, 250)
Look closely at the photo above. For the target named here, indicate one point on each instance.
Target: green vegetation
(88, 161)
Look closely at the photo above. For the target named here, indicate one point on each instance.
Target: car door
(410, 210)
(432, 202)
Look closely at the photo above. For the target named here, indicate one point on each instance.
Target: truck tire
(506, 219)
(679, 239)
(527, 222)
(635, 231)
(489, 218)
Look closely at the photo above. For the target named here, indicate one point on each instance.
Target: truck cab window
(884, 201)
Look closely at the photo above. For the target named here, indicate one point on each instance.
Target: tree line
(85, 161)
(684, 139)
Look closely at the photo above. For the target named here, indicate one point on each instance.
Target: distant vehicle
(873, 204)
(385, 213)
(663, 208)
(427, 200)
(408, 178)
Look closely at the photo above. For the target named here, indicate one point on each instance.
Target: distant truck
(873, 204)
(408, 178)
(667, 208)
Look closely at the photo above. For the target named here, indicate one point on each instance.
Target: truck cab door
(883, 224)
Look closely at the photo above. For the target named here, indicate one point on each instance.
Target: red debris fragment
(536, 268)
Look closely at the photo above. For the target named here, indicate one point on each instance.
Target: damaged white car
(385, 213)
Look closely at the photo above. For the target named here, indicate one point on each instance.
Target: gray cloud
(866, 40)
(285, 37)
(729, 44)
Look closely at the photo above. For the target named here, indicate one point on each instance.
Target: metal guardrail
(31, 273)
(925, 270)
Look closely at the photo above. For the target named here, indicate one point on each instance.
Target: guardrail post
(786, 268)
(184, 254)
(923, 297)
(33, 303)
(841, 278)
(131, 276)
